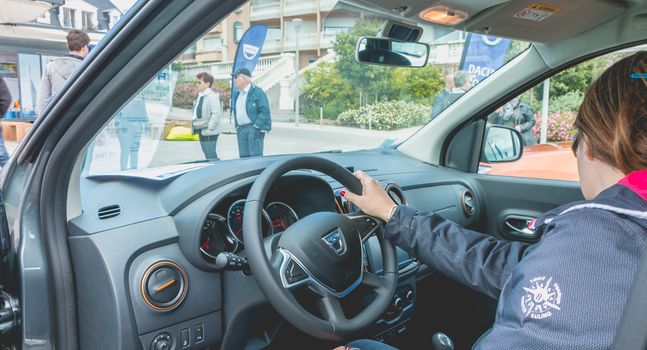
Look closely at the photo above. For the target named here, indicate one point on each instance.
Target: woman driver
(568, 290)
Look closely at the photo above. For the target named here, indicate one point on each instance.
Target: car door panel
(519, 199)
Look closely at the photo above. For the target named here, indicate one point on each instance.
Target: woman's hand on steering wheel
(374, 200)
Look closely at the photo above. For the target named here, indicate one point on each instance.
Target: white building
(33, 32)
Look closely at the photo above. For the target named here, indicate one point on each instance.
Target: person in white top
(206, 116)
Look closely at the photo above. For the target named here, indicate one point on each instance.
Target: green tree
(575, 79)
(337, 87)
(369, 78)
(325, 88)
(425, 83)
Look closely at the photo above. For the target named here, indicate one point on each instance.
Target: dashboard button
(410, 297)
(185, 337)
(398, 304)
(199, 333)
(163, 341)
(294, 273)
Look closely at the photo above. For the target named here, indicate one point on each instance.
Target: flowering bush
(560, 126)
(224, 89)
(389, 115)
(186, 93)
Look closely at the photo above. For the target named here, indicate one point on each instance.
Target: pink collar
(637, 182)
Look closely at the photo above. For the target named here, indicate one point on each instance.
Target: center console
(400, 311)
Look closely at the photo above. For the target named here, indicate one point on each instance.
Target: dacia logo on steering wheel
(336, 242)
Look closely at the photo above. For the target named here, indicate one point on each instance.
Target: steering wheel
(322, 251)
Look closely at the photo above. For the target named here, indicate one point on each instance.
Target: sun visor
(543, 21)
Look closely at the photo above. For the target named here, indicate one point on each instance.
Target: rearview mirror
(389, 52)
(502, 144)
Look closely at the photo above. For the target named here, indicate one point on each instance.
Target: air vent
(395, 192)
(469, 205)
(109, 212)
(164, 285)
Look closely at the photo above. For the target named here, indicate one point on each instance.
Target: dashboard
(292, 198)
(160, 247)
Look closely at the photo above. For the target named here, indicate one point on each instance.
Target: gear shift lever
(440, 341)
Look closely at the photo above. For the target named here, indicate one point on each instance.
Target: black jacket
(565, 292)
(520, 115)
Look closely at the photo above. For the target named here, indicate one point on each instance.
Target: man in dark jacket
(252, 114)
(518, 115)
(440, 102)
(5, 103)
(461, 83)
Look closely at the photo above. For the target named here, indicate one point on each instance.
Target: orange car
(552, 161)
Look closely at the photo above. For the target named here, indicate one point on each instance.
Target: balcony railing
(265, 10)
(300, 7)
(214, 55)
(277, 70)
(187, 56)
(223, 70)
(306, 42)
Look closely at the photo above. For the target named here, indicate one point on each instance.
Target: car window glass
(308, 92)
(545, 120)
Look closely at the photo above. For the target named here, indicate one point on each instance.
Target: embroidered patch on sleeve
(542, 299)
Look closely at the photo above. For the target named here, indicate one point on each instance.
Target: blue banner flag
(483, 55)
(247, 54)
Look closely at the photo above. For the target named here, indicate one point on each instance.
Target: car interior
(223, 255)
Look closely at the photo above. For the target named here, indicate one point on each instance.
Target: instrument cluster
(224, 233)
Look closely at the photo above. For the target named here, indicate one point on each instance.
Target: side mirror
(389, 52)
(502, 144)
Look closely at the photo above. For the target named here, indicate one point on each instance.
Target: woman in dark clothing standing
(568, 290)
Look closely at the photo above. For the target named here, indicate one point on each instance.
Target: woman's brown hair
(613, 116)
(206, 77)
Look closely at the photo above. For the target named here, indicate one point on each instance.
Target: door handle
(524, 231)
(517, 227)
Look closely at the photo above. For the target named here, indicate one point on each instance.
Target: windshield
(297, 89)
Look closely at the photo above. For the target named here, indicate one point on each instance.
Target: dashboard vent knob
(469, 205)
(164, 285)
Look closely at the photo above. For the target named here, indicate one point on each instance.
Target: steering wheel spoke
(290, 270)
(374, 282)
(332, 310)
(366, 225)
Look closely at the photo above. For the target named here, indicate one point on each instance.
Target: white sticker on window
(537, 12)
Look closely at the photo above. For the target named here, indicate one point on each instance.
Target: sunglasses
(576, 142)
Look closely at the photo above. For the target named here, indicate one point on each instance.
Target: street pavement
(285, 138)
